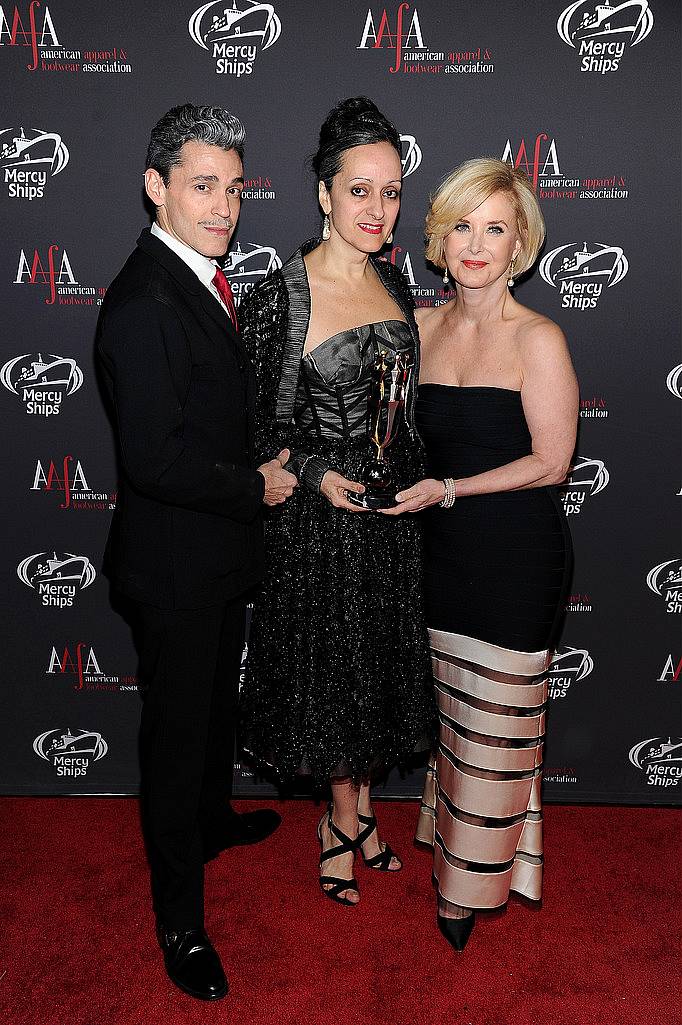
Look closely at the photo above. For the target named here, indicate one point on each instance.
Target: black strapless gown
(338, 678)
(497, 572)
(496, 565)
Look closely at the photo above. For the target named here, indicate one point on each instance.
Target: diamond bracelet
(450, 494)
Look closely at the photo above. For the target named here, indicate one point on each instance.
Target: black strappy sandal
(382, 860)
(346, 846)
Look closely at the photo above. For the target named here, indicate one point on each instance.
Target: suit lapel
(189, 282)
(219, 316)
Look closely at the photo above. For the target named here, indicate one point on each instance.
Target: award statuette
(386, 406)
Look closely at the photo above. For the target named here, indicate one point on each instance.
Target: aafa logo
(27, 160)
(71, 481)
(423, 296)
(539, 159)
(41, 382)
(81, 664)
(235, 35)
(587, 478)
(674, 381)
(28, 30)
(665, 580)
(569, 665)
(52, 271)
(580, 274)
(70, 752)
(601, 32)
(412, 154)
(660, 759)
(247, 264)
(406, 35)
(55, 272)
(57, 579)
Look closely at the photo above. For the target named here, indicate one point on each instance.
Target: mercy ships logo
(71, 753)
(569, 666)
(41, 382)
(660, 759)
(587, 478)
(56, 578)
(602, 33)
(665, 580)
(580, 274)
(674, 381)
(411, 154)
(234, 36)
(28, 159)
(247, 264)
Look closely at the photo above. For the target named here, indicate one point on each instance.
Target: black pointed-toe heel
(457, 930)
(382, 860)
(333, 886)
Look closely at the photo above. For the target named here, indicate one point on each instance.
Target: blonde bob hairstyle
(466, 188)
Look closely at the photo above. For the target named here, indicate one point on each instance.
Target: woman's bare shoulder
(534, 329)
(429, 318)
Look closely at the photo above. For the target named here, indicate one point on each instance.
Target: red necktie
(225, 292)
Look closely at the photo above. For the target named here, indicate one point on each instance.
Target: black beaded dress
(338, 678)
(496, 577)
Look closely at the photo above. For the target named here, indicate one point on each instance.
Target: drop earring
(510, 280)
(389, 239)
(326, 228)
(446, 279)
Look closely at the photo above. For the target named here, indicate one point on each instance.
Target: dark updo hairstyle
(353, 122)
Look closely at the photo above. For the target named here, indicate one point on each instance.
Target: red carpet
(77, 942)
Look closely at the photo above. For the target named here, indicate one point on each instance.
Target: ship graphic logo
(252, 261)
(21, 149)
(602, 263)
(674, 381)
(589, 474)
(245, 21)
(665, 577)
(43, 569)
(58, 746)
(628, 23)
(33, 370)
(576, 662)
(411, 154)
(662, 751)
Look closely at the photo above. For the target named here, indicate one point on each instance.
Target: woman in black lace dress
(338, 678)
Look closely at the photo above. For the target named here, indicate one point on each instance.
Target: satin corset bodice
(331, 400)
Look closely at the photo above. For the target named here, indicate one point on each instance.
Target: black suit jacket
(187, 530)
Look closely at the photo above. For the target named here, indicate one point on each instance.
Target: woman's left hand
(419, 496)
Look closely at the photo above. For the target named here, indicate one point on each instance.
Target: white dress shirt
(201, 265)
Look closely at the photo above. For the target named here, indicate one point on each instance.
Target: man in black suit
(185, 544)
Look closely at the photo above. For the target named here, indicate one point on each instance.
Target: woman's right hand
(334, 488)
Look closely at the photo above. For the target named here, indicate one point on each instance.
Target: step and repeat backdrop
(584, 97)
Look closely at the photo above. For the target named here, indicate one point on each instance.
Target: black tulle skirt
(338, 678)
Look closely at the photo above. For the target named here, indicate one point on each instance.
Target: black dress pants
(189, 668)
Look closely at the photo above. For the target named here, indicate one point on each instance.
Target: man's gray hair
(212, 125)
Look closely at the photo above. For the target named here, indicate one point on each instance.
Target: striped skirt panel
(481, 808)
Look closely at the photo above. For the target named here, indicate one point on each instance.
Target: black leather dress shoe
(192, 963)
(239, 830)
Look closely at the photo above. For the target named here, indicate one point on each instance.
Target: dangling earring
(510, 280)
(446, 279)
(326, 228)
(389, 239)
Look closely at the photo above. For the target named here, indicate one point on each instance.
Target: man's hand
(279, 483)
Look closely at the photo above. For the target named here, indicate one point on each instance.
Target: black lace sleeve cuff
(309, 470)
